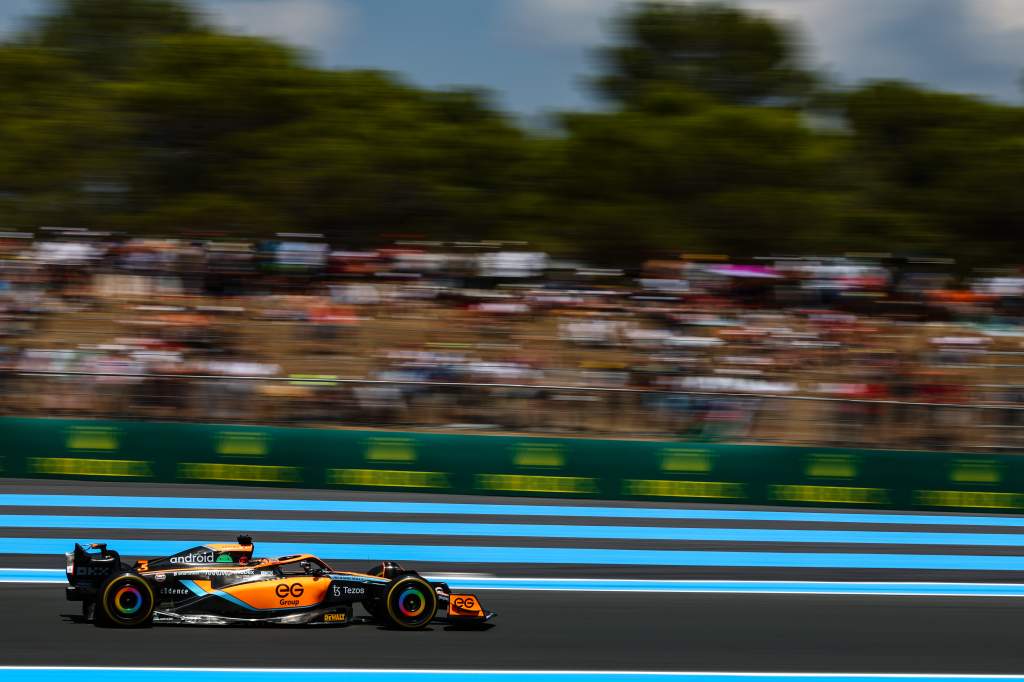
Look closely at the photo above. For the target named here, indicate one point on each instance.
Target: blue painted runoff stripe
(61, 674)
(481, 583)
(525, 509)
(513, 530)
(551, 555)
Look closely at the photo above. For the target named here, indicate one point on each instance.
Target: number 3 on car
(221, 584)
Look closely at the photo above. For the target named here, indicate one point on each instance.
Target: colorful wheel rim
(412, 602)
(128, 600)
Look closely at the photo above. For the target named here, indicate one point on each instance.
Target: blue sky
(536, 54)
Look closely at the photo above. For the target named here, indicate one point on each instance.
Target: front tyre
(409, 603)
(126, 601)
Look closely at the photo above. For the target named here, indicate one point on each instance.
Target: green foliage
(136, 115)
(733, 55)
(107, 38)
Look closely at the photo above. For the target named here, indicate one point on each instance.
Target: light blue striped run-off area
(362, 675)
(470, 554)
(525, 509)
(512, 530)
(482, 583)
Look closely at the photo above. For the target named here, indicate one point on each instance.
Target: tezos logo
(191, 558)
(339, 590)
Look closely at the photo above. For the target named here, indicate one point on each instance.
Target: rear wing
(91, 564)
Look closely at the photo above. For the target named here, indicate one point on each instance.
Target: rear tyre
(126, 600)
(409, 603)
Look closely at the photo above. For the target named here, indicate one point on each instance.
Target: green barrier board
(509, 465)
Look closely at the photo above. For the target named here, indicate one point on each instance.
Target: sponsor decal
(545, 455)
(464, 603)
(981, 499)
(224, 559)
(294, 590)
(243, 443)
(359, 578)
(85, 571)
(391, 450)
(212, 471)
(976, 471)
(388, 478)
(828, 465)
(830, 494)
(210, 573)
(334, 617)
(339, 590)
(670, 488)
(78, 466)
(192, 558)
(579, 485)
(175, 591)
(160, 577)
(686, 461)
(92, 438)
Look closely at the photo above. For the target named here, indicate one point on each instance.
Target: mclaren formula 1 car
(224, 585)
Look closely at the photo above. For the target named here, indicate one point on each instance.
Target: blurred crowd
(864, 350)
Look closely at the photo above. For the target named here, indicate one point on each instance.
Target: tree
(950, 165)
(735, 56)
(106, 39)
(376, 155)
(740, 180)
(194, 102)
(60, 158)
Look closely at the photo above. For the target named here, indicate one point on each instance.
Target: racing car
(223, 584)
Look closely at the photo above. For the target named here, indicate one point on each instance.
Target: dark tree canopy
(138, 115)
(736, 56)
(106, 38)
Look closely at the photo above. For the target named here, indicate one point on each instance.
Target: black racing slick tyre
(125, 600)
(409, 603)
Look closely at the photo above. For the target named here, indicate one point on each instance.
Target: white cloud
(998, 14)
(585, 22)
(834, 30)
(562, 22)
(313, 24)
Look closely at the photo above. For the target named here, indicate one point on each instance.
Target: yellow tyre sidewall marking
(402, 581)
(119, 581)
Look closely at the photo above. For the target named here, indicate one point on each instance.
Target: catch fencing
(550, 410)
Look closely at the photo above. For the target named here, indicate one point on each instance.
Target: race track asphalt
(579, 631)
(555, 630)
